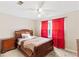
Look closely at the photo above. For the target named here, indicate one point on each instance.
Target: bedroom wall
(71, 29)
(8, 24)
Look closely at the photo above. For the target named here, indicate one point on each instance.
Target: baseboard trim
(71, 50)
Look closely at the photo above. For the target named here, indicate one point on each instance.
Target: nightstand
(7, 44)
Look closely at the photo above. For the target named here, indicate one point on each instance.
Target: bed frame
(39, 51)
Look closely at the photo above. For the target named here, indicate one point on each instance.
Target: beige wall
(71, 30)
(8, 24)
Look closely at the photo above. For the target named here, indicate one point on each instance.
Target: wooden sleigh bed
(39, 51)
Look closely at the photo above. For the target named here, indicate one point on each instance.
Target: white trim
(71, 50)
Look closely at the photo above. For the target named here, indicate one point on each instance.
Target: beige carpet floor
(55, 53)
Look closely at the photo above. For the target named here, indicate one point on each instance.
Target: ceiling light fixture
(40, 10)
(39, 15)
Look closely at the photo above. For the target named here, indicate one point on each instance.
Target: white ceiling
(28, 9)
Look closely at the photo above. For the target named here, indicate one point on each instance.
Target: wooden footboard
(43, 49)
(39, 51)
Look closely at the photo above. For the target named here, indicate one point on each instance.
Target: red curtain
(44, 29)
(58, 32)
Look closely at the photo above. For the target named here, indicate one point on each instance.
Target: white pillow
(25, 35)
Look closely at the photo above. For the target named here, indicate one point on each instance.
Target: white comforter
(31, 43)
(36, 41)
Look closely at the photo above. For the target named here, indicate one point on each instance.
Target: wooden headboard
(19, 32)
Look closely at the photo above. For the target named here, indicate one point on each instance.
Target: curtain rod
(60, 17)
(54, 18)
